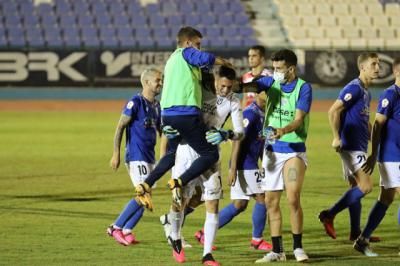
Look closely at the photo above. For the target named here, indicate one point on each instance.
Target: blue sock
(127, 213)
(374, 219)
(355, 218)
(350, 197)
(259, 217)
(131, 223)
(227, 214)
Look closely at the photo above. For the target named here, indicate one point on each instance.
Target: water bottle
(269, 132)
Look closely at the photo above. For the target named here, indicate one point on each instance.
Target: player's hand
(279, 132)
(170, 132)
(216, 136)
(369, 165)
(337, 145)
(232, 177)
(115, 161)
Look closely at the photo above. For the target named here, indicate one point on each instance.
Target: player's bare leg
(293, 173)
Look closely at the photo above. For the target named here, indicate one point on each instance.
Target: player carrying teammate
(141, 120)
(181, 103)
(385, 149)
(349, 121)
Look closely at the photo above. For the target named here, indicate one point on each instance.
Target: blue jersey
(303, 103)
(251, 146)
(353, 131)
(141, 132)
(389, 105)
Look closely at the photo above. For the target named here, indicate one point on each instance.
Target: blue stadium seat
(107, 33)
(127, 42)
(161, 32)
(30, 20)
(226, 19)
(203, 7)
(138, 20)
(208, 19)
(121, 20)
(70, 32)
(3, 41)
(152, 9)
(235, 42)
(32, 32)
(142, 32)
(236, 7)
(220, 7)
(54, 41)
(103, 20)
(241, 19)
(173, 20)
(192, 19)
(17, 41)
(12, 18)
(93, 42)
(67, 19)
(117, 8)
(48, 19)
(164, 42)
(213, 32)
(145, 42)
(15, 30)
(246, 30)
(36, 42)
(85, 20)
(230, 32)
(156, 20)
(217, 43)
(249, 41)
(169, 7)
(73, 42)
(186, 7)
(109, 42)
(124, 32)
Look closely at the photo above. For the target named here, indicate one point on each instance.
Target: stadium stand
(121, 23)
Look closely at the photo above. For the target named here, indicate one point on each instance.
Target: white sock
(176, 222)
(210, 231)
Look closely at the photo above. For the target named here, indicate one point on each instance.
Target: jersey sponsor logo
(129, 105)
(385, 103)
(348, 97)
(245, 122)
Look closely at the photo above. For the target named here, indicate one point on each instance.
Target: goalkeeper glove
(216, 136)
(170, 132)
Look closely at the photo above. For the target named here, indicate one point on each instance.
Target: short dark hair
(364, 57)
(286, 55)
(396, 62)
(187, 33)
(260, 49)
(226, 72)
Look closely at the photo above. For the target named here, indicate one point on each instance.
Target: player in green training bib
(284, 160)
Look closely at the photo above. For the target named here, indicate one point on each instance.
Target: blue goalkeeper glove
(216, 136)
(170, 132)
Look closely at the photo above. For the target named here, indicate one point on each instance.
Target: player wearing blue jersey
(246, 181)
(349, 121)
(181, 102)
(385, 149)
(140, 120)
(284, 158)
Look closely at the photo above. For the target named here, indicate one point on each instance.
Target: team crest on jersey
(348, 97)
(385, 103)
(245, 122)
(129, 105)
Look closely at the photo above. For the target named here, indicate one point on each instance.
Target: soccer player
(385, 149)
(245, 177)
(256, 58)
(216, 111)
(349, 121)
(284, 158)
(181, 103)
(141, 121)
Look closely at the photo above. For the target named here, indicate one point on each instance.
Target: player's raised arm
(115, 159)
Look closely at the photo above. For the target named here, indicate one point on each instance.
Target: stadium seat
(316, 33)
(127, 42)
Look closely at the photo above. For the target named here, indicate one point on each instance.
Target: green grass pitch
(58, 195)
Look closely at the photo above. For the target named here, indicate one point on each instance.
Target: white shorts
(273, 163)
(248, 183)
(352, 162)
(210, 184)
(138, 171)
(390, 174)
